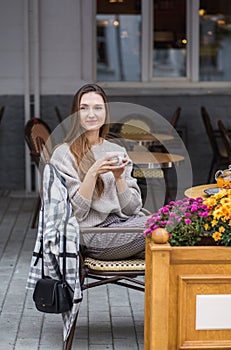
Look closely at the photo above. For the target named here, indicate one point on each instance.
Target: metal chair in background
(38, 138)
(2, 110)
(175, 118)
(226, 138)
(60, 119)
(220, 156)
(173, 125)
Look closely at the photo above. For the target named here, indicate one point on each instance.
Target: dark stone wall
(12, 143)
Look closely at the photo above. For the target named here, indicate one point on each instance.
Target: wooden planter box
(179, 283)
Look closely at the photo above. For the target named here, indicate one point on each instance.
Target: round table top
(198, 191)
(146, 137)
(155, 159)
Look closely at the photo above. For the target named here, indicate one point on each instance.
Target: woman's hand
(102, 166)
(119, 169)
(106, 164)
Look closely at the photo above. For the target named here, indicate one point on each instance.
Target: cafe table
(144, 137)
(198, 191)
(155, 160)
(150, 166)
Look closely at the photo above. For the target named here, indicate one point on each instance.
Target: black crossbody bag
(53, 295)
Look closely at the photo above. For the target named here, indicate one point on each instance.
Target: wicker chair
(124, 273)
(37, 136)
(113, 271)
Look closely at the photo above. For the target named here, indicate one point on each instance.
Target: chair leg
(210, 175)
(167, 189)
(36, 212)
(69, 341)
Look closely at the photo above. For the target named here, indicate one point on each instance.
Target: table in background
(156, 160)
(143, 138)
(147, 164)
(198, 191)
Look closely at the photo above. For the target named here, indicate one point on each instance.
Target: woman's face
(92, 111)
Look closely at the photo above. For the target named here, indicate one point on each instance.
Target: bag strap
(65, 242)
(41, 241)
(63, 276)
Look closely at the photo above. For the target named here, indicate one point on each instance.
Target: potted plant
(190, 221)
(182, 269)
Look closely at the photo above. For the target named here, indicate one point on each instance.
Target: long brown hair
(79, 145)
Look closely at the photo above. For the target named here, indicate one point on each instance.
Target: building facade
(158, 54)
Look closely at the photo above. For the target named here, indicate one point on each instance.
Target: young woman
(102, 193)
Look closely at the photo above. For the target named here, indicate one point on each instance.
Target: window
(163, 40)
(169, 38)
(118, 27)
(215, 40)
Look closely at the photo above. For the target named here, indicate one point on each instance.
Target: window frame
(190, 81)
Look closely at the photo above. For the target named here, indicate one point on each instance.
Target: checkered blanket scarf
(55, 220)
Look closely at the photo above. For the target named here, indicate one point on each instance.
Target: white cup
(116, 155)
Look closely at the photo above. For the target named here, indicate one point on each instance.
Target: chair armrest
(111, 229)
(146, 211)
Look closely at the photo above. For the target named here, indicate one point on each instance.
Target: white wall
(59, 46)
(11, 48)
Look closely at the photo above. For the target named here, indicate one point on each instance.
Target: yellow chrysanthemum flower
(221, 229)
(206, 227)
(217, 236)
(226, 207)
(227, 216)
(210, 202)
(217, 214)
(224, 219)
(225, 200)
(214, 223)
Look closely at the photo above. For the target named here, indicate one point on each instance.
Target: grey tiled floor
(111, 317)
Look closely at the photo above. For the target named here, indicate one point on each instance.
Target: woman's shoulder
(61, 150)
(111, 146)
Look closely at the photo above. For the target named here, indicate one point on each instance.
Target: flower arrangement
(189, 220)
(218, 224)
(183, 219)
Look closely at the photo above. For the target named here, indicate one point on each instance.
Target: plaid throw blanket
(55, 219)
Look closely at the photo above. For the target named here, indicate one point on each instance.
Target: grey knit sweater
(94, 212)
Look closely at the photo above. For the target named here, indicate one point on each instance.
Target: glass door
(118, 30)
(169, 38)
